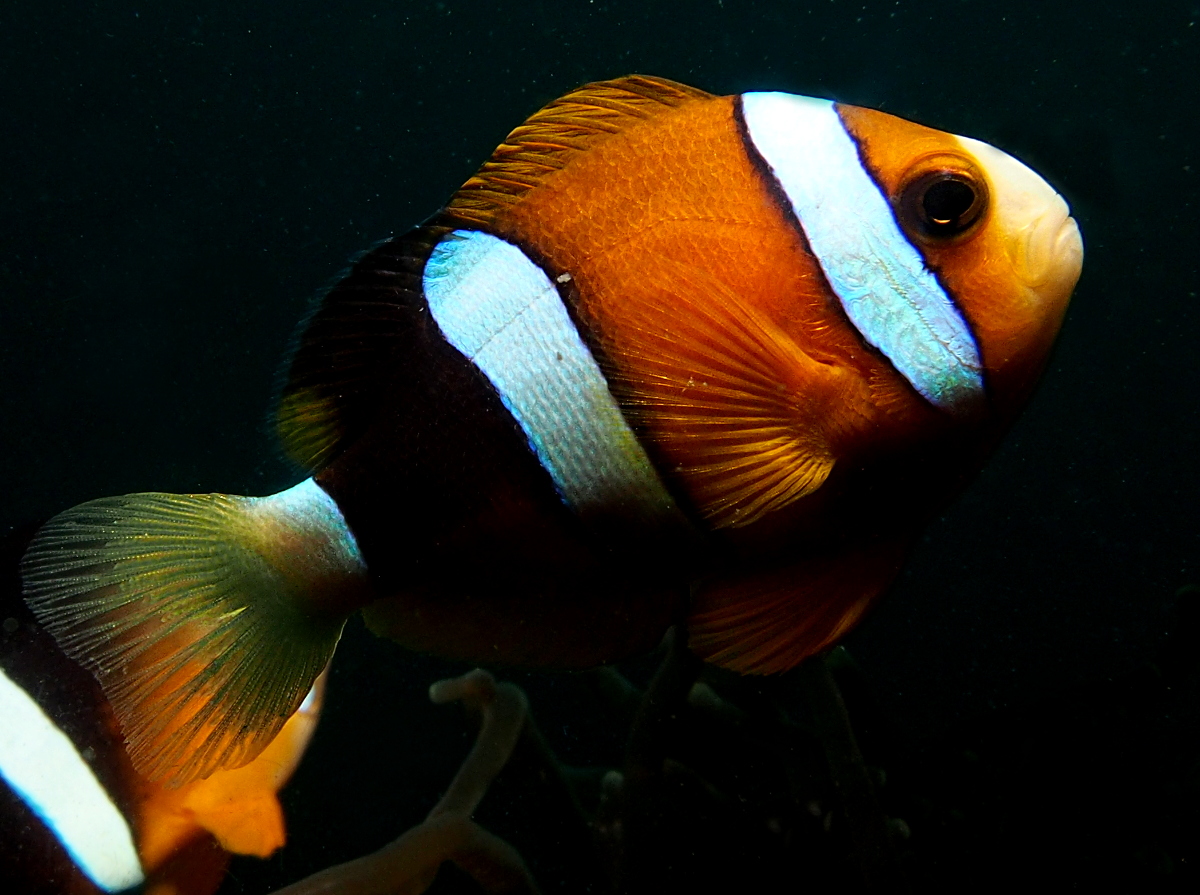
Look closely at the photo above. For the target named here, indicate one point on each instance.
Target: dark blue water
(177, 180)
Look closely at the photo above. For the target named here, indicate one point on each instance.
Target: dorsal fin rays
(345, 349)
(731, 402)
(548, 140)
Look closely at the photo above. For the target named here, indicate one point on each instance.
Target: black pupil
(946, 201)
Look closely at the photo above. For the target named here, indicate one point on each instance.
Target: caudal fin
(205, 617)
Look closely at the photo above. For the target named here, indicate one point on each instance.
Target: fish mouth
(1048, 253)
(1043, 241)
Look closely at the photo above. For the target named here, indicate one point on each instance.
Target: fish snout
(1048, 254)
(1043, 242)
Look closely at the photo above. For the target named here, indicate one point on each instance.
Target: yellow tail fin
(205, 617)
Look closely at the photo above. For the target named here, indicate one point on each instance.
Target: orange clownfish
(666, 357)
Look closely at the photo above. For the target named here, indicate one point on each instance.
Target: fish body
(77, 815)
(666, 356)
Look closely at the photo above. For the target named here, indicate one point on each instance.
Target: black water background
(178, 179)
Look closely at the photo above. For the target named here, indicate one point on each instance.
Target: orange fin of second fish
(772, 621)
(739, 412)
(239, 806)
(249, 825)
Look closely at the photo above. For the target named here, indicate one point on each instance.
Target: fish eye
(941, 203)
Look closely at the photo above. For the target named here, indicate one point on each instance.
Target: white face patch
(891, 298)
(42, 766)
(502, 312)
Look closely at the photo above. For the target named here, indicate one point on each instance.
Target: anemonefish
(667, 357)
(74, 814)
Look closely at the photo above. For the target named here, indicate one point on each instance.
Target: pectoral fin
(743, 416)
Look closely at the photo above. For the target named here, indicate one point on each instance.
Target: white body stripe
(502, 312)
(332, 549)
(881, 280)
(43, 767)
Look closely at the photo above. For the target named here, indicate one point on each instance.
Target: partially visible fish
(79, 819)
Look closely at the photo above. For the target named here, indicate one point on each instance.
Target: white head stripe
(881, 280)
(502, 312)
(42, 766)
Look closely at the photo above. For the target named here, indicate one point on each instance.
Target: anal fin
(771, 621)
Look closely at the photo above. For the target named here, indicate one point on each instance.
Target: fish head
(998, 237)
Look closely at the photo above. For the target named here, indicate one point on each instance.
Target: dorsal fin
(329, 391)
(549, 138)
(330, 385)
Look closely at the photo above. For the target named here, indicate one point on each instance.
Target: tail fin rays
(205, 617)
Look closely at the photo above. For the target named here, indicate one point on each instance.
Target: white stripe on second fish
(502, 312)
(43, 767)
(881, 280)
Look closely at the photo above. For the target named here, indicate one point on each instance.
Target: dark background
(178, 180)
